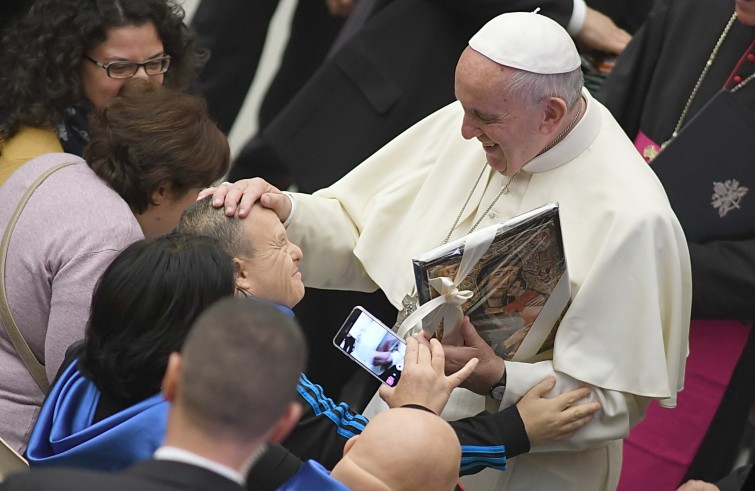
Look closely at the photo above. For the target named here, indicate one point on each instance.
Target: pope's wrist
(293, 208)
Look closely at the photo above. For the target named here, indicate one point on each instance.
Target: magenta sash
(659, 450)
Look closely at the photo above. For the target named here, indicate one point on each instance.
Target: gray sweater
(71, 229)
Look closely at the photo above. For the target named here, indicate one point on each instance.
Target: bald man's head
(401, 449)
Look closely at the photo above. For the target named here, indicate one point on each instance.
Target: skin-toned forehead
(480, 78)
(263, 224)
(120, 39)
(472, 66)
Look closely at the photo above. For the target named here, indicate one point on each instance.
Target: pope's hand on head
(241, 195)
(490, 367)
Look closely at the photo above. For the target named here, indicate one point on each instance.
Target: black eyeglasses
(127, 69)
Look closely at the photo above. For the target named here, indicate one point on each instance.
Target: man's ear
(241, 275)
(172, 377)
(285, 423)
(553, 116)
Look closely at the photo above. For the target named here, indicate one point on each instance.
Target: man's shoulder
(69, 479)
(158, 475)
(150, 475)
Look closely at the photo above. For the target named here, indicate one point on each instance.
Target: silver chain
(410, 299)
(503, 191)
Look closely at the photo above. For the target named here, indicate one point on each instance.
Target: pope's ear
(553, 115)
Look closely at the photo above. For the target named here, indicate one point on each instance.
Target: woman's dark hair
(150, 136)
(41, 53)
(143, 307)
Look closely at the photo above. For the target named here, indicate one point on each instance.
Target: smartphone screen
(376, 348)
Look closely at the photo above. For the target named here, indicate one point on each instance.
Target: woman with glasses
(66, 57)
(150, 152)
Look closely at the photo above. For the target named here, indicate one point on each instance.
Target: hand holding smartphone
(373, 345)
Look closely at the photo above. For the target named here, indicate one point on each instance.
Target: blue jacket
(66, 435)
(312, 477)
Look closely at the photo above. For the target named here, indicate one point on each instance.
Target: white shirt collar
(180, 455)
(579, 138)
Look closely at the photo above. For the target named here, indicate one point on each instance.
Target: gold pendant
(650, 152)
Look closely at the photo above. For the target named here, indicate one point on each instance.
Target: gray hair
(201, 218)
(535, 87)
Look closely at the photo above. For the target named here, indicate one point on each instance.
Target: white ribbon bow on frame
(447, 306)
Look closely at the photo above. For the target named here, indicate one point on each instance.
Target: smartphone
(371, 344)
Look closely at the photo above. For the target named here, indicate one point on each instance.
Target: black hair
(143, 307)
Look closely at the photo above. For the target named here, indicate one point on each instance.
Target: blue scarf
(65, 434)
(73, 129)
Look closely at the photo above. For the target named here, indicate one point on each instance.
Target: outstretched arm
(548, 430)
(599, 32)
(489, 439)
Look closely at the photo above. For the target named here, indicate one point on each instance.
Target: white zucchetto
(527, 41)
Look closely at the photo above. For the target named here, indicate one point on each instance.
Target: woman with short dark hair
(151, 151)
(105, 410)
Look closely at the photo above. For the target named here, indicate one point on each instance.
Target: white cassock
(625, 333)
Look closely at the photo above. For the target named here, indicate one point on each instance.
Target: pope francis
(530, 135)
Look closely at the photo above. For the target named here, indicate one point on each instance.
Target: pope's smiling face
(508, 129)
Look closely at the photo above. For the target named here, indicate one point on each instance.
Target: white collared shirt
(180, 455)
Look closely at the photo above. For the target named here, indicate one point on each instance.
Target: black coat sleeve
(723, 280)
(626, 88)
(488, 439)
(742, 479)
(274, 467)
